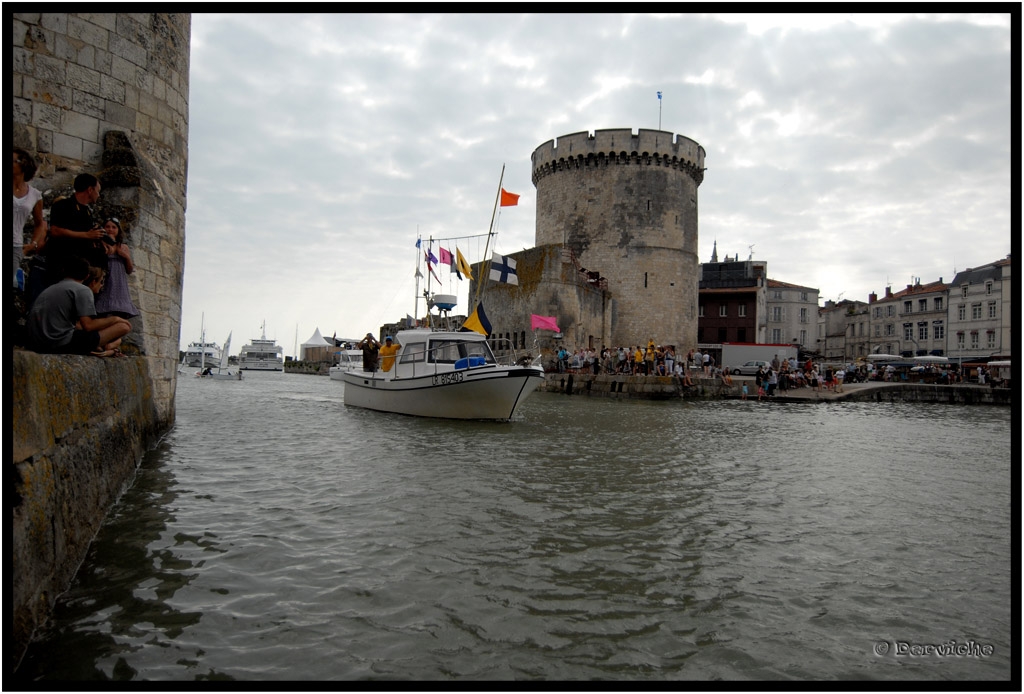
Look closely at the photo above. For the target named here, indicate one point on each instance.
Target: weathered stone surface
(81, 425)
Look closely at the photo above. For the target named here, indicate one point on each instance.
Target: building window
(922, 331)
(892, 310)
(960, 341)
(742, 311)
(803, 315)
(974, 340)
(938, 303)
(988, 287)
(777, 314)
(776, 335)
(991, 339)
(741, 334)
(803, 337)
(991, 309)
(922, 304)
(908, 331)
(722, 335)
(878, 330)
(961, 312)
(890, 329)
(939, 332)
(777, 294)
(723, 311)
(803, 296)
(963, 291)
(975, 311)
(878, 311)
(908, 306)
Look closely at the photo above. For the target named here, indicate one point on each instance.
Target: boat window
(444, 351)
(450, 351)
(413, 352)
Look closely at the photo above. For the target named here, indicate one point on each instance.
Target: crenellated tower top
(619, 146)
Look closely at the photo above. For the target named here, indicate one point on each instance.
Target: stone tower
(107, 94)
(626, 205)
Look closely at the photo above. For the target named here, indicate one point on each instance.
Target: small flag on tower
(503, 269)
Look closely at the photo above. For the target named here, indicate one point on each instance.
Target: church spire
(714, 252)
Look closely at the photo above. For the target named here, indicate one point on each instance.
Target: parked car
(750, 368)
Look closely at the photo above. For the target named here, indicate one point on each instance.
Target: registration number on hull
(446, 379)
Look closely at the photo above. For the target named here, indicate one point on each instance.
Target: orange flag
(508, 199)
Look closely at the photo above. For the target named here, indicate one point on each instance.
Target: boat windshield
(450, 351)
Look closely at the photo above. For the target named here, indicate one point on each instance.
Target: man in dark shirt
(73, 231)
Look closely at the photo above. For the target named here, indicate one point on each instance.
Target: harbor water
(276, 535)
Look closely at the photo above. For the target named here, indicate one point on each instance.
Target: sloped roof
(317, 340)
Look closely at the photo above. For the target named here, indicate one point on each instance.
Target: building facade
(791, 314)
(978, 313)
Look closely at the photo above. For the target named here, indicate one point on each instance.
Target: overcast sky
(848, 151)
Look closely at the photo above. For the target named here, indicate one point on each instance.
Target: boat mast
(485, 264)
(419, 275)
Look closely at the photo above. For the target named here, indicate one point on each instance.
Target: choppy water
(278, 535)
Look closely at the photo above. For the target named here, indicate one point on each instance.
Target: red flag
(508, 199)
(543, 322)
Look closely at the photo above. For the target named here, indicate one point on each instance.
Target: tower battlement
(619, 146)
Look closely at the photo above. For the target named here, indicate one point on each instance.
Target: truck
(735, 354)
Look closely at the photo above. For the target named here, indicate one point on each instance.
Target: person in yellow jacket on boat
(387, 353)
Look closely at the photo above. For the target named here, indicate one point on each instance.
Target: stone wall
(103, 93)
(81, 425)
(626, 205)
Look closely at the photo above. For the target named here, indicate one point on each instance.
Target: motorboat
(261, 354)
(348, 359)
(445, 374)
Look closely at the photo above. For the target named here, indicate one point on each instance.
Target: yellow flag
(462, 265)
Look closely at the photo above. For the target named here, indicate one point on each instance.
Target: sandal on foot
(105, 353)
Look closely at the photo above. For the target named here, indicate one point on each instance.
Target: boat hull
(486, 392)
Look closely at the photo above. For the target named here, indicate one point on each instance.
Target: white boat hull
(484, 392)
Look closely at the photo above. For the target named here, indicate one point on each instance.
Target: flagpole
(485, 265)
(659, 110)
(416, 295)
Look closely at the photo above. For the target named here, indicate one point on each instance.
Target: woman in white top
(28, 202)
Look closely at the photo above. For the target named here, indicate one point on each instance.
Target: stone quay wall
(107, 94)
(626, 204)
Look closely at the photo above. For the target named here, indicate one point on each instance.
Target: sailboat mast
(485, 264)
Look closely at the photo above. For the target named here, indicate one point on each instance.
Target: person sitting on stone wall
(63, 318)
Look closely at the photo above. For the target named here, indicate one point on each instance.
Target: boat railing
(459, 354)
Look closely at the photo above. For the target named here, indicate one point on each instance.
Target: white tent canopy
(317, 341)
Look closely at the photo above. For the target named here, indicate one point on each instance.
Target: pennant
(417, 243)
(508, 199)
(503, 269)
(462, 265)
(543, 322)
(477, 322)
(445, 255)
(430, 257)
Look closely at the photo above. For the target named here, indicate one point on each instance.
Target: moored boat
(444, 374)
(348, 359)
(202, 352)
(261, 354)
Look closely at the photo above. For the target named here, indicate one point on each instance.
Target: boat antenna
(419, 276)
(485, 265)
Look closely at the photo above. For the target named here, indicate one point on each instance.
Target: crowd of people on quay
(71, 275)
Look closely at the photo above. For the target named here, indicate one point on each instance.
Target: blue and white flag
(659, 96)
(503, 269)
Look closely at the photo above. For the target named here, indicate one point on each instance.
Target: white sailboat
(224, 373)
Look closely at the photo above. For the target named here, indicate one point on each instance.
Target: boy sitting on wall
(63, 318)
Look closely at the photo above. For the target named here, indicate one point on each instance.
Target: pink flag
(445, 255)
(543, 322)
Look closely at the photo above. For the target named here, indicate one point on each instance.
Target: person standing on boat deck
(388, 352)
(370, 348)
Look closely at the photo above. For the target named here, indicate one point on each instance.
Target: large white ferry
(261, 354)
(199, 353)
